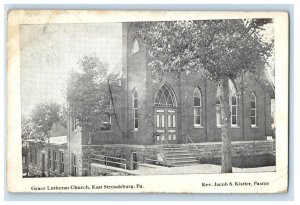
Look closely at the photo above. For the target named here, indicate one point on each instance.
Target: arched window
(134, 47)
(233, 102)
(165, 97)
(135, 110)
(197, 107)
(253, 110)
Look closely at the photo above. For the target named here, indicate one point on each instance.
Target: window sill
(219, 126)
(235, 126)
(134, 130)
(254, 126)
(198, 126)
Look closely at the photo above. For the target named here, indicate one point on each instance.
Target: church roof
(117, 70)
(268, 83)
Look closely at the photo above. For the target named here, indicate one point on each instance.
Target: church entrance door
(165, 115)
(166, 124)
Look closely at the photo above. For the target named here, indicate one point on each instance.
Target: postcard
(147, 101)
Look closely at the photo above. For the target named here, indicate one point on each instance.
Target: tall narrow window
(233, 101)
(30, 154)
(49, 159)
(197, 108)
(62, 163)
(234, 111)
(54, 160)
(253, 110)
(74, 168)
(35, 155)
(135, 110)
(218, 112)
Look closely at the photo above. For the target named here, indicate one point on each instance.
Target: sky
(50, 52)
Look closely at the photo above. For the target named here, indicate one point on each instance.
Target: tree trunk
(226, 161)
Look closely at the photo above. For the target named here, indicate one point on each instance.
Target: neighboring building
(49, 158)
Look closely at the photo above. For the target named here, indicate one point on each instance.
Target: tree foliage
(215, 48)
(44, 115)
(88, 94)
(27, 128)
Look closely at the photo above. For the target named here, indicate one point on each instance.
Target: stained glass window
(165, 97)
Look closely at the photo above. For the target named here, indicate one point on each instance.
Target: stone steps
(183, 163)
(176, 155)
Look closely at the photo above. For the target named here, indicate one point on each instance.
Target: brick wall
(136, 79)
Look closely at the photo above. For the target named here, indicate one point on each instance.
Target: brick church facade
(174, 107)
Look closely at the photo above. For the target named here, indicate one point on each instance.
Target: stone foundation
(245, 153)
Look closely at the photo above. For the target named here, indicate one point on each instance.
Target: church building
(175, 109)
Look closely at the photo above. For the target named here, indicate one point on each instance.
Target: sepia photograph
(136, 98)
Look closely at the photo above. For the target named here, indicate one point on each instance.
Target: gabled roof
(268, 83)
(58, 140)
(117, 70)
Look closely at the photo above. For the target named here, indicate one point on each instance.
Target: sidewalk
(195, 169)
